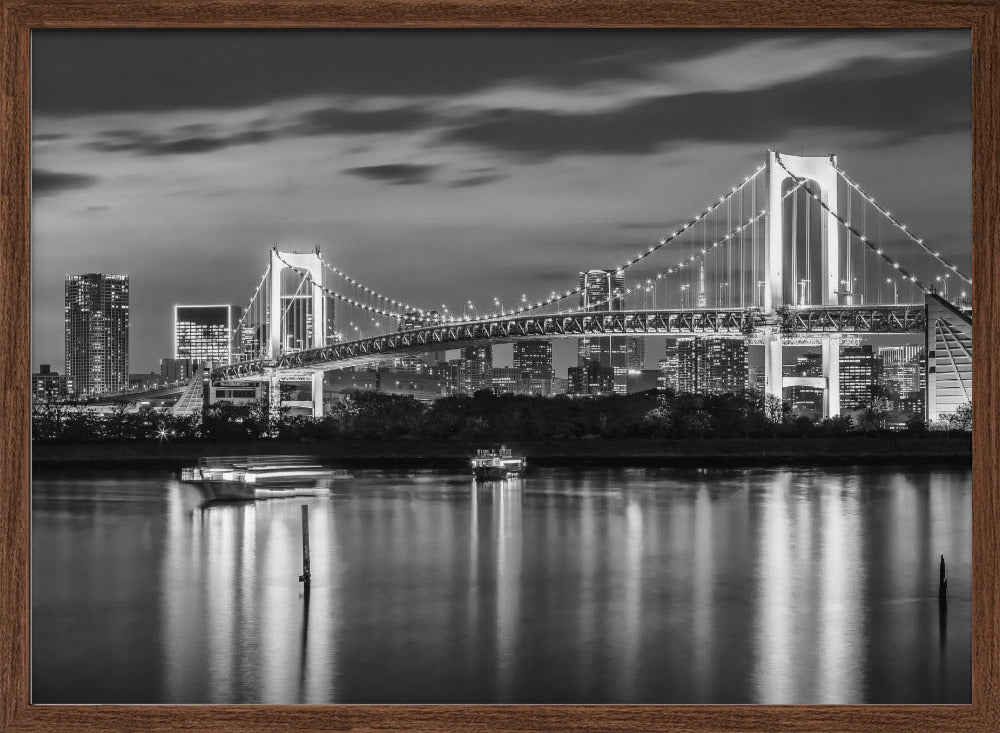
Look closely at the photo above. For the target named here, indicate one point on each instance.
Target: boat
(495, 464)
(259, 477)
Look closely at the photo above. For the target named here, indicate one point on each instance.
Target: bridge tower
(310, 266)
(821, 173)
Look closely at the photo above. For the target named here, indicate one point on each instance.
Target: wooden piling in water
(942, 584)
(304, 578)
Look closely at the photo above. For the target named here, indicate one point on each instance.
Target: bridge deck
(886, 319)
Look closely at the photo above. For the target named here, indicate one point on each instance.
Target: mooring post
(942, 584)
(304, 578)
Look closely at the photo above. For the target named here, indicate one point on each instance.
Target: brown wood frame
(18, 17)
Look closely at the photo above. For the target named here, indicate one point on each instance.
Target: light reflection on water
(729, 586)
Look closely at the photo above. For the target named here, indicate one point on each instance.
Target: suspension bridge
(796, 253)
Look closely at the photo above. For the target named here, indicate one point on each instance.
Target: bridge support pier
(774, 379)
(773, 372)
(317, 394)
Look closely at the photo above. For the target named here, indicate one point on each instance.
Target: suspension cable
(900, 225)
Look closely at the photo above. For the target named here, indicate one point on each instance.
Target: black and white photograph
(501, 366)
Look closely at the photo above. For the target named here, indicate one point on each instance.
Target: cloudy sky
(440, 166)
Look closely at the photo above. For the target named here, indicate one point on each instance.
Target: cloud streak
(867, 95)
(50, 183)
(394, 174)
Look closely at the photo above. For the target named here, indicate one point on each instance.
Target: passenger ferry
(247, 478)
(492, 465)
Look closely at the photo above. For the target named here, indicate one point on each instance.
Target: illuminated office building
(476, 369)
(47, 385)
(903, 375)
(205, 333)
(533, 357)
(96, 332)
(704, 365)
(721, 365)
(857, 376)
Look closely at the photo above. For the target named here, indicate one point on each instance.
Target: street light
(895, 290)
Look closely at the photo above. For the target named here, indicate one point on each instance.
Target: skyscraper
(533, 357)
(857, 376)
(96, 332)
(678, 366)
(704, 365)
(604, 290)
(721, 365)
(903, 376)
(635, 351)
(206, 333)
(476, 369)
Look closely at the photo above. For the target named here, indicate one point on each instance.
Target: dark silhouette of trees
(484, 416)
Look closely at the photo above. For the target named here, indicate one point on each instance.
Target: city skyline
(430, 172)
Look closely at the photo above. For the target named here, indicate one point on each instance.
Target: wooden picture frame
(19, 17)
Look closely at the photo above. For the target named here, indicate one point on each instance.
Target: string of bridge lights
(901, 226)
(240, 323)
(850, 227)
(681, 264)
(344, 298)
(659, 276)
(371, 291)
(542, 303)
(557, 297)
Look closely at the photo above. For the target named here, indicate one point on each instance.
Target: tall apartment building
(96, 316)
(857, 376)
(604, 290)
(533, 357)
(476, 369)
(704, 365)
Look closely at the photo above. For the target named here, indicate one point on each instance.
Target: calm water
(657, 586)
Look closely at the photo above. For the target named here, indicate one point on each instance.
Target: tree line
(367, 415)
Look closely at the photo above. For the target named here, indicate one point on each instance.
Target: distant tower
(476, 368)
(604, 290)
(96, 332)
(701, 285)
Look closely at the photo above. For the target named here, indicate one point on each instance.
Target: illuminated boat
(259, 477)
(494, 465)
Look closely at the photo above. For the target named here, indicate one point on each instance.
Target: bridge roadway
(903, 318)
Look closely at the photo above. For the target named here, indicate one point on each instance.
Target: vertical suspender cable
(795, 248)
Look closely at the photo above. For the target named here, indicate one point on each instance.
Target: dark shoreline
(843, 451)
